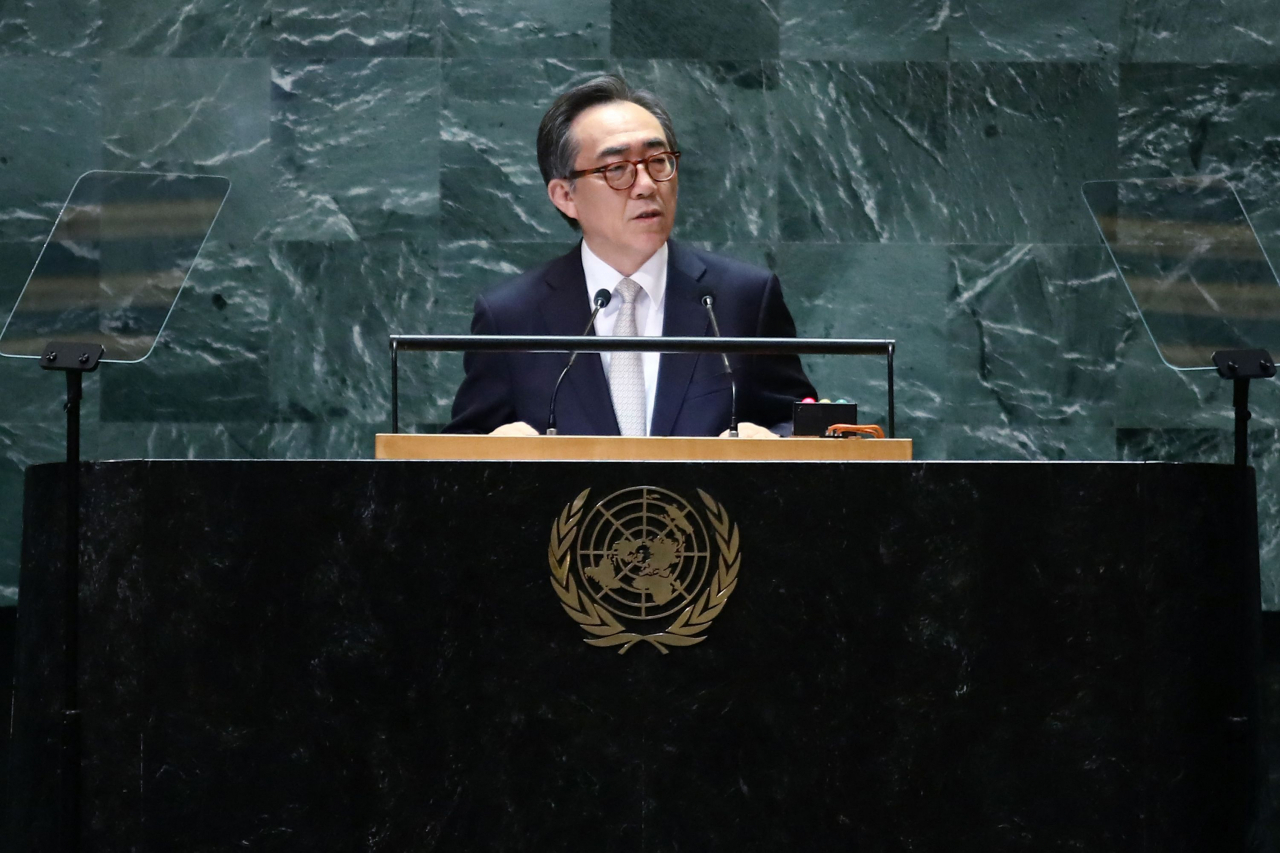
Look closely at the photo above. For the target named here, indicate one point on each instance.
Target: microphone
(707, 302)
(600, 300)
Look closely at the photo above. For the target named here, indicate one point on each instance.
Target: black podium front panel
(910, 656)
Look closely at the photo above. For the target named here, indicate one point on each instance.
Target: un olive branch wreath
(687, 628)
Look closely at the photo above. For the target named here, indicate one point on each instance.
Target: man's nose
(645, 185)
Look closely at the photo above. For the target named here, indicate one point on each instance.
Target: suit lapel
(565, 310)
(683, 316)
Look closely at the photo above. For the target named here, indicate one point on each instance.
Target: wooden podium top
(585, 448)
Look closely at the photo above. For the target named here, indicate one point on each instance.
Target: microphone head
(602, 298)
(708, 300)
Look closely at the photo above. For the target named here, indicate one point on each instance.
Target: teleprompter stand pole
(1241, 366)
(74, 359)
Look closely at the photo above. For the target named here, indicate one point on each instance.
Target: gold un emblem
(639, 556)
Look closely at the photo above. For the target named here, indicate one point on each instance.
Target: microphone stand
(600, 300)
(707, 302)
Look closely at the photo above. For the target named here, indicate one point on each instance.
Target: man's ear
(561, 195)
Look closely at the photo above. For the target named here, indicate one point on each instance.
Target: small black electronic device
(814, 418)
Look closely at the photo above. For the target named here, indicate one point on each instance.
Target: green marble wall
(910, 170)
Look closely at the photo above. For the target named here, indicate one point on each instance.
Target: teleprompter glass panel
(114, 263)
(1192, 263)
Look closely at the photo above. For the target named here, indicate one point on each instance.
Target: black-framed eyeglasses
(621, 174)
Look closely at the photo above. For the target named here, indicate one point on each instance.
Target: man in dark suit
(608, 155)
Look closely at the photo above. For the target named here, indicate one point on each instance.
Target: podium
(381, 655)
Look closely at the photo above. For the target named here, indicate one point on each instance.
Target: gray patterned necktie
(626, 371)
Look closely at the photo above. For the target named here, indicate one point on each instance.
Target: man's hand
(517, 428)
(746, 429)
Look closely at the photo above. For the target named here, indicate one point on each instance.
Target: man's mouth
(649, 214)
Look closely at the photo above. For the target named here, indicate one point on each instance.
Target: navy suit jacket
(693, 394)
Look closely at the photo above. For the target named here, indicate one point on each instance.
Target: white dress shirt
(652, 278)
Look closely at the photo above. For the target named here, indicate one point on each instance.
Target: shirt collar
(652, 275)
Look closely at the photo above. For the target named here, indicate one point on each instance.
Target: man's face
(623, 227)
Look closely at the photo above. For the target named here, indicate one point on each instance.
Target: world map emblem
(644, 565)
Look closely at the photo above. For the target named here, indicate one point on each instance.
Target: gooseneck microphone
(600, 300)
(707, 302)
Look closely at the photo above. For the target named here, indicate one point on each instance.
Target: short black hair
(557, 149)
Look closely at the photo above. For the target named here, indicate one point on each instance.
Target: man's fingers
(746, 429)
(750, 430)
(517, 428)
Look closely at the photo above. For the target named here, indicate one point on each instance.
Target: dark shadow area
(1270, 692)
(1270, 688)
(8, 628)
